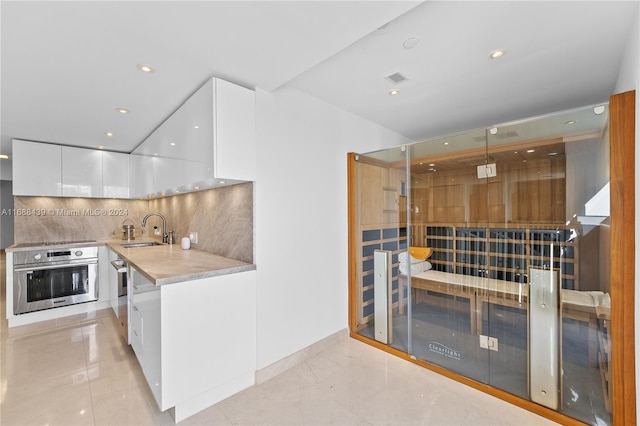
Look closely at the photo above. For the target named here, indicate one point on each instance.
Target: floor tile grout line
(86, 367)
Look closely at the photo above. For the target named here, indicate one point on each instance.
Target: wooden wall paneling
(368, 185)
(544, 193)
(559, 196)
(402, 211)
(478, 202)
(419, 198)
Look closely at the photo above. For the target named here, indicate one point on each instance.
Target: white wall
(301, 217)
(629, 79)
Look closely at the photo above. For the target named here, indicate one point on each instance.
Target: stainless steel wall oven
(48, 278)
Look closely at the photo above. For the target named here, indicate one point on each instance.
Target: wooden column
(622, 148)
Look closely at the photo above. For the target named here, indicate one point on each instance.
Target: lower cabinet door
(136, 332)
(146, 324)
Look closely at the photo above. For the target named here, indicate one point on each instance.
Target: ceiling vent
(396, 78)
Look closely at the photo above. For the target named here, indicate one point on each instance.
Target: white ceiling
(66, 66)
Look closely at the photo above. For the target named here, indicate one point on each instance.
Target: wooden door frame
(622, 276)
(622, 148)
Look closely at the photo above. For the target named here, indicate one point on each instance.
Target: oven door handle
(62, 265)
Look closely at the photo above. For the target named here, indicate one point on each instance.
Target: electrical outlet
(193, 236)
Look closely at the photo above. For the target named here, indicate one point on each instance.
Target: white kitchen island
(193, 324)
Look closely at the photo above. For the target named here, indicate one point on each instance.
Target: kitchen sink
(141, 244)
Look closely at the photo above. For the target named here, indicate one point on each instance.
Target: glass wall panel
(380, 188)
(553, 173)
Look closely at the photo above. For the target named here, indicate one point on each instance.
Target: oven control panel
(45, 256)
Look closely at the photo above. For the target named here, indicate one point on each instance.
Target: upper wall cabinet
(211, 137)
(115, 175)
(81, 172)
(37, 168)
(234, 130)
(44, 169)
(140, 176)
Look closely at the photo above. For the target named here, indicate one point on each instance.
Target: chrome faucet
(164, 225)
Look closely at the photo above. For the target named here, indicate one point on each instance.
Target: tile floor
(78, 371)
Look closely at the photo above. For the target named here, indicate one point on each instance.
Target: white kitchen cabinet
(195, 340)
(37, 168)
(115, 174)
(211, 137)
(44, 169)
(168, 174)
(234, 128)
(81, 172)
(140, 176)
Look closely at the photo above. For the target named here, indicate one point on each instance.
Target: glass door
(448, 215)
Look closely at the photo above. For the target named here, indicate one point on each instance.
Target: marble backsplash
(222, 217)
(45, 219)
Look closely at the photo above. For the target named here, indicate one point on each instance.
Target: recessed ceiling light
(493, 130)
(432, 164)
(196, 127)
(155, 154)
(598, 110)
(4, 157)
(145, 68)
(110, 134)
(100, 146)
(531, 150)
(122, 110)
(570, 122)
(498, 53)
(172, 143)
(410, 43)
(446, 143)
(394, 92)
(196, 187)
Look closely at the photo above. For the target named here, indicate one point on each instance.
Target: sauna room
(486, 254)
